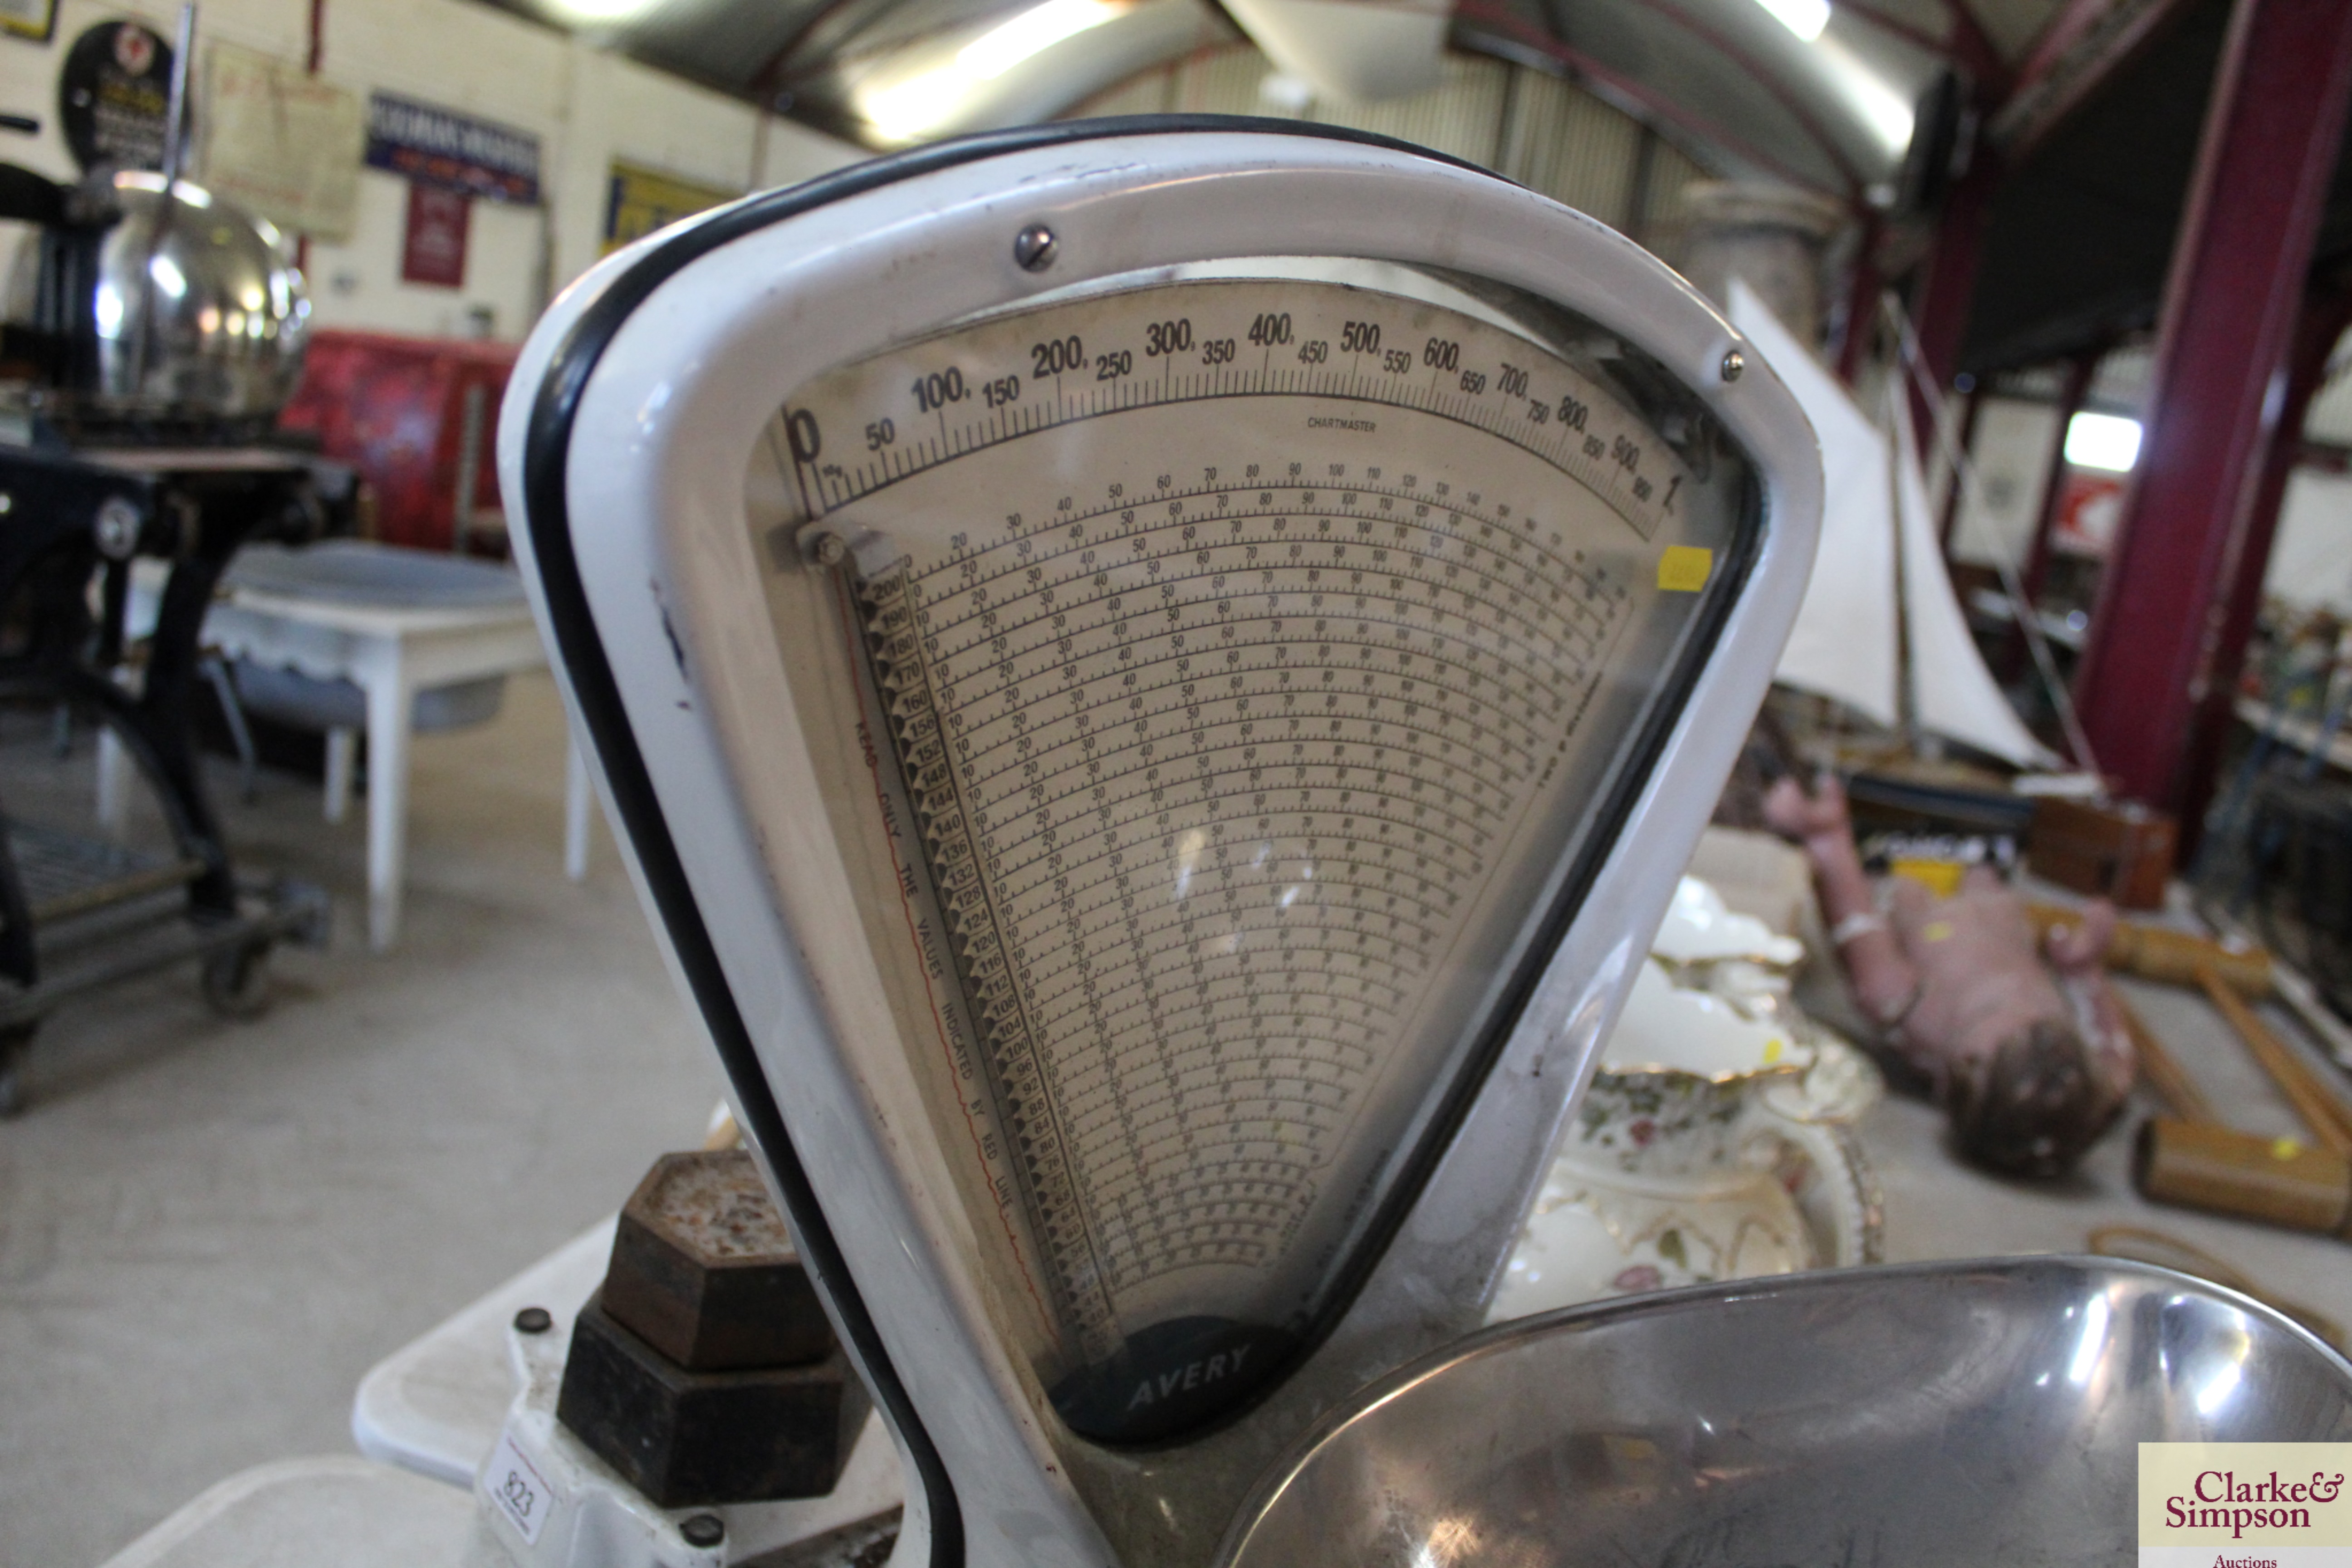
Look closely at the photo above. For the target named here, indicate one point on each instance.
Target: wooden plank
(2164, 1072)
(2322, 1110)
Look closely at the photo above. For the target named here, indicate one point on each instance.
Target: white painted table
(391, 653)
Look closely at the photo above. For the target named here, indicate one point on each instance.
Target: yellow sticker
(1772, 1050)
(1941, 877)
(2285, 1148)
(1684, 568)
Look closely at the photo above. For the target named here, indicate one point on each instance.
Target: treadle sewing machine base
(78, 913)
(103, 914)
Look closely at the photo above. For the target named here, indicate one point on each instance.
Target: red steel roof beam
(2076, 54)
(1769, 80)
(1966, 43)
(2067, 27)
(1516, 32)
(1973, 45)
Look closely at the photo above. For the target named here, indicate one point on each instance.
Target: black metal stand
(76, 913)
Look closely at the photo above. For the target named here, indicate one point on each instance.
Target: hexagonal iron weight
(688, 1438)
(704, 1271)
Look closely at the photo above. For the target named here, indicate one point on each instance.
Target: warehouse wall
(1544, 132)
(2311, 558)
(2011, 452)
(586, 108)
(2311, 561)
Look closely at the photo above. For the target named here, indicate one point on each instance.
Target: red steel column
(1862, 302)
(314, 55)
(2071, 394)
(1964, 440)
(2326, 313)
(1941, 315)
(2271, 138)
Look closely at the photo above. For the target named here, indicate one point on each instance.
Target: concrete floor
(209, 1230)
(1938, 1208)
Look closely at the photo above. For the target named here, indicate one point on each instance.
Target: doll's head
(2034, 1105)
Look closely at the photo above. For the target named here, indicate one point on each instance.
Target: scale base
(435, 1414)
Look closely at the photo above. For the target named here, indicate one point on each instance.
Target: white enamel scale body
(1157, 676)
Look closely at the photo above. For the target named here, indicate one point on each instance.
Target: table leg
(391, 703)
(113, 781)
(342, 744)
(577, 796)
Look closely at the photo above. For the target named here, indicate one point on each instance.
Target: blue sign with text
(455, 152)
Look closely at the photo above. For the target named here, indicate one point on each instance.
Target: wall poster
(33, 19)
(115, 92)
(640, 200)
(2089, 508)
(433, 249)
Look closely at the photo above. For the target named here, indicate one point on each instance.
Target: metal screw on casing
(1035, 247)
(831, 549)
(116, 528)
(1734, 363)
(704, 1530)
(534, 1320)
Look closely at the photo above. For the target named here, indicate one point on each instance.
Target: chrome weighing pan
(1934, 1414)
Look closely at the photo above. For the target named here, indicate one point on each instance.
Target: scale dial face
(1221, 681)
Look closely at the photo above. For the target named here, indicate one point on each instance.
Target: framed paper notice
(34, 20)
(281, 144)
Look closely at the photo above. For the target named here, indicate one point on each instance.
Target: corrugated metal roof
(1831, 113)
(2082, 228)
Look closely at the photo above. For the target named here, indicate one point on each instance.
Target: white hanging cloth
(1952, 693)
(1842, 645)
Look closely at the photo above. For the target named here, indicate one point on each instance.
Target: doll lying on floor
(2024, 1044)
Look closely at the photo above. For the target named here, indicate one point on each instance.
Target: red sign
(2088, 508)
(433, 250)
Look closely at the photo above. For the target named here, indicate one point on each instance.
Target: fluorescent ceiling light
(592, 12)
(1887, 114)
(1033, 32)
(2108, 442)
(1806, 18)
(907, 109)
(1878, 103)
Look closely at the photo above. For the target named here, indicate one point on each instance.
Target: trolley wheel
(236, 981)
(15, 1043)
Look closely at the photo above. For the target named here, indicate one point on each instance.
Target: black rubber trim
(546, 456)
(1611, 813)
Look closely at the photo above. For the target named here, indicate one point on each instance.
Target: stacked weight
(704, 1371)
